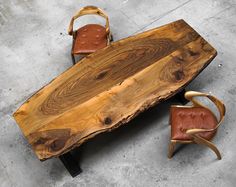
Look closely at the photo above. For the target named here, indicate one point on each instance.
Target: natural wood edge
(144, 107)
(79, 135)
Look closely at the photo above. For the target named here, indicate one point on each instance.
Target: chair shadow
(125, 132)
(178, 148)
(134, 128)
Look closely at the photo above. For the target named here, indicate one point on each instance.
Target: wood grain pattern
(110, 87)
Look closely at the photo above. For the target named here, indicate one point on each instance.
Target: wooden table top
(111, 86)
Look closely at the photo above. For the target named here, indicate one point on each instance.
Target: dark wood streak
(127, 61)
(54, 139)
(192, 53)
(101, 75)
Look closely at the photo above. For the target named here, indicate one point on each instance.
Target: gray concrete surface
(35, 48)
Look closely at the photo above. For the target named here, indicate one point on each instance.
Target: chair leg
(200, 140)
(73, 58)
(171, 148)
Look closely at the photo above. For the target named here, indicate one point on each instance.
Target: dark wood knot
(179, 75)
(107, 121)
(58, 144)
(192, 53)
(101, 75)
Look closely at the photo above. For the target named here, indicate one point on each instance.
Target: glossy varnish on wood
(108, 88)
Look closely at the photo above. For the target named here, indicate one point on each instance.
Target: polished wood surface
(111, 86)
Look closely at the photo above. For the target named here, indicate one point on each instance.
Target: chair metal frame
(86, 11)
(189, 95)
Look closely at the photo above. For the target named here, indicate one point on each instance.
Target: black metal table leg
(71, 164)
(73, 59)
(180, 97)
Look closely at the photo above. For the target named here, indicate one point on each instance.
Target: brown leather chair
(196, 123)
(91, 37)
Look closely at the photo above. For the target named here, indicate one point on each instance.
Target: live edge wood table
(110, 87)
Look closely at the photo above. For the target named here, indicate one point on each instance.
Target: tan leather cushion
(182, 119)
(90, 38)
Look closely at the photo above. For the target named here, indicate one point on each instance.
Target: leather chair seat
(184, 118)
(89, 38)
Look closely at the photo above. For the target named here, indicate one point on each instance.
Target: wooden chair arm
(219, 104)
(195, 131)
(199, 140)
(85, 11)
(189, 95)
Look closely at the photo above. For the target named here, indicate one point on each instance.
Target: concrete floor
(35, 48)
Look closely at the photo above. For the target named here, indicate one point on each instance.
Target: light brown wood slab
(111, 86)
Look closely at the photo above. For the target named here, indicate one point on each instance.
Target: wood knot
(107, 121)
(179, 75)
(101, 75)
(192, 53)
(57, 144)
